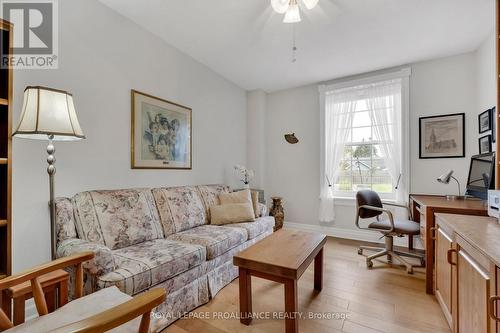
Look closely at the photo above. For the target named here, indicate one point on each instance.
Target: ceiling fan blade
(280, 6)
(310, 4)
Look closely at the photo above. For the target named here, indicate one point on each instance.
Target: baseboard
(360, 235)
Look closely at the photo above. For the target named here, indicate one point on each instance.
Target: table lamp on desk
(445, 179)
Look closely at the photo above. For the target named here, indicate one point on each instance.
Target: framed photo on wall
(494, 124)
(484, 121)
(485, 144)
(442, 136)
(161, 133)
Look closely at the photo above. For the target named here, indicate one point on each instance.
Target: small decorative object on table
(278, 212)
(246, 175)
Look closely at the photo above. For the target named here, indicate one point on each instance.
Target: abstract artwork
(442, 136)
(161, 133)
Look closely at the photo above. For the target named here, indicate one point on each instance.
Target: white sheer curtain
(384, 103)
(339, 108)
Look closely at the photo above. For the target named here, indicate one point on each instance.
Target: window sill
(351, 201)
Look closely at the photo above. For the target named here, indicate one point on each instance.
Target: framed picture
(494, 124)
(442, 136)
(161, 133)
(485, 144)
(484, 121)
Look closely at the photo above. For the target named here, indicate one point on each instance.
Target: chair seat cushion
(257, 227)
(80, 309)
(406, 227)
(216, 239)
(144, 265)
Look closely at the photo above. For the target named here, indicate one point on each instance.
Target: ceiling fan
(291, 8)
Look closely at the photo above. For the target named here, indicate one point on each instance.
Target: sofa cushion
(216, 239)
(180, 208)
(65, 220)
(117, 218)
(210, 196)
(80, 309)
(257, 227)
(146, 264)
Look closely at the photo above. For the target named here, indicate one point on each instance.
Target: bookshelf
(6, 38)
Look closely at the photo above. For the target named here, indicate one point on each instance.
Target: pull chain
(294, 46)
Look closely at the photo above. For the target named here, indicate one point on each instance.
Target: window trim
(401, 73)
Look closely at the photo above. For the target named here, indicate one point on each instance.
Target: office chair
(369, 205)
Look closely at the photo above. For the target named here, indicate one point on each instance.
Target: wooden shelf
(4, 161)
(3, 101)
(3, 223)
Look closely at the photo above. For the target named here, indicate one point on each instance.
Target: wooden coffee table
(282, 257)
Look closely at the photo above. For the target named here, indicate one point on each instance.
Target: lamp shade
(445, 177)
(48, 112)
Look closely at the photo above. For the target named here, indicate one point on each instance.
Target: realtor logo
(35, 42)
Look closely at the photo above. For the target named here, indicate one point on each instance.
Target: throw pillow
(255, 203)
(231, 213)
(243, 196)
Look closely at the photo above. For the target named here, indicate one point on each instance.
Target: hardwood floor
(383, 299)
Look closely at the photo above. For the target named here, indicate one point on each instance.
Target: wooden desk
(282, 257)
(423, 208)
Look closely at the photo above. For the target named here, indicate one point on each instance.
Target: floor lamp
(49, 114)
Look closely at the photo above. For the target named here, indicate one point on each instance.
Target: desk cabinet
(473, 289)
(466, 276)
(444, 245)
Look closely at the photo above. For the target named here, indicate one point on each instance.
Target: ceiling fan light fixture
(310, 4)
(280, 6)
(292, 14)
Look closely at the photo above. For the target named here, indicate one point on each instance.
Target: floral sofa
(158, 237)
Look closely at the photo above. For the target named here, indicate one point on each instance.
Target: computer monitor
(481, 175)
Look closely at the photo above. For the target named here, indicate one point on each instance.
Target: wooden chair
(108, 319)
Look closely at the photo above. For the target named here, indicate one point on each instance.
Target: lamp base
(455, 197)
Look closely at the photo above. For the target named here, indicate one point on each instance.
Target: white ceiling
(246, 42)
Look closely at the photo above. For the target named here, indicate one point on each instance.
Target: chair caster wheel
(409, 271)
(369, 264)
(360, 252)
(389, 259)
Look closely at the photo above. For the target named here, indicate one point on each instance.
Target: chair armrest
(399, 205)
(103, 261)
(119, 315)
(33, 273)
(378, 209)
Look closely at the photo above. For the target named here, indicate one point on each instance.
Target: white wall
(439, 86)
(102, 57)
(486, 76)
(257, 136)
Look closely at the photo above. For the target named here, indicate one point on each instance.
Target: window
(364, 139)
(362, 165)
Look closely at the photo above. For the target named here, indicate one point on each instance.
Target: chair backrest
(369, 198)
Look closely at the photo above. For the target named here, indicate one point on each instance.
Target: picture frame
(161, 133)
(494, 124)
(485, 144)
(484, 121)
(442, 136)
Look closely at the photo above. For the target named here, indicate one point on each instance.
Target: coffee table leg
(245, 281)
(318, 271)
(291, 301)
